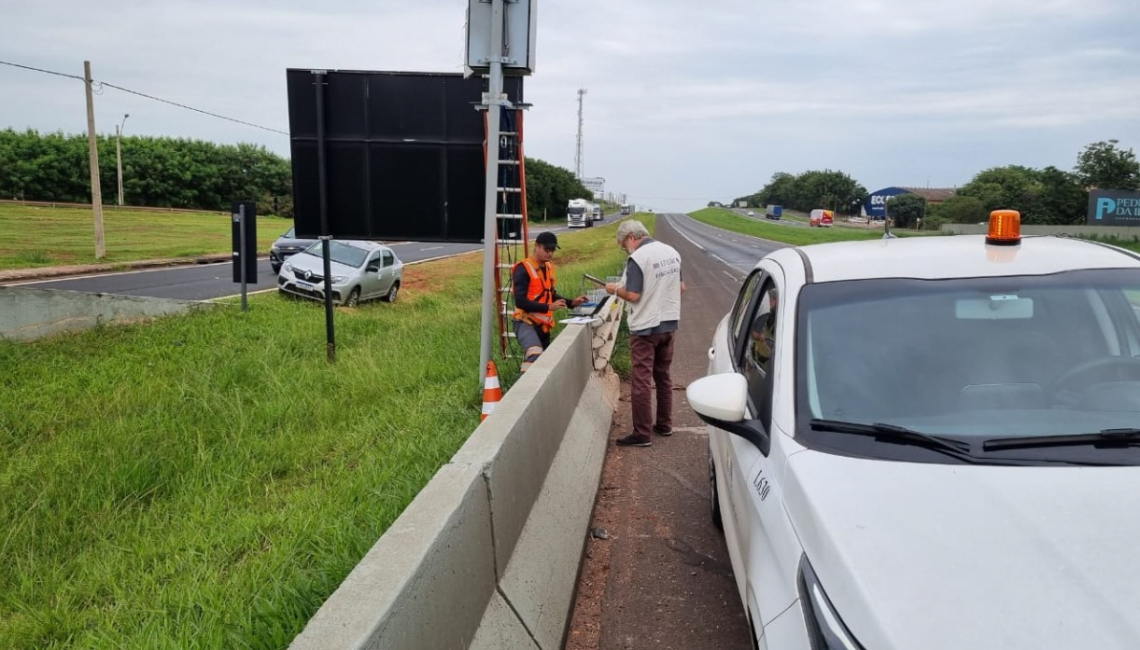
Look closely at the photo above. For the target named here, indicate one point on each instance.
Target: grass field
(33, 237)
(206, 481)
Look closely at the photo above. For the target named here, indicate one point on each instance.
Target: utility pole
(93, 154)
(119, 155)
(578, 171)
(493, 100)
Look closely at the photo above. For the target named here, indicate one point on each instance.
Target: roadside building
(873, 206)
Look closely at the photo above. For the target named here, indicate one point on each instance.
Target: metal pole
(93, 155)
(490, 230)
(241, 254)
(322, 184)
(119, 161)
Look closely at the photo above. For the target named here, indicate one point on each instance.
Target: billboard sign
(596, 184)
(1114, 208)
(403, 154)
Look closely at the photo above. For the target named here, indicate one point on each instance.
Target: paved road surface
(209, 281)
(663, 579)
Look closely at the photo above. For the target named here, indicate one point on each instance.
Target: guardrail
(487, 555)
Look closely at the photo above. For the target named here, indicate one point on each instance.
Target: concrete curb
(487, 555)
(28, 314)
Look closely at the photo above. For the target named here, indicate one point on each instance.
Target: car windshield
(340, 252)
(974, 359)
(577, 210)
(288, 234)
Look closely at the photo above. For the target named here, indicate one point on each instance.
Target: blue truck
(774, 212)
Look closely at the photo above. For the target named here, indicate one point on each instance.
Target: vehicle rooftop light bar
(1005, 228)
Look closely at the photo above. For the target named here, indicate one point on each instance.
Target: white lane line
(238, 295)
(431, 248)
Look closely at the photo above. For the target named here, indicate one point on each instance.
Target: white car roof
(959, 256)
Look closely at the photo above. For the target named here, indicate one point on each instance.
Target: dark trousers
(652, 357)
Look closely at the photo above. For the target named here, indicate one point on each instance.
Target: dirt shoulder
(657, 575)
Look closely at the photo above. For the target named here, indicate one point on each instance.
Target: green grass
(34, 237)
(206, 481)
(728, 220)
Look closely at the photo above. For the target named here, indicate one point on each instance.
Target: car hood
(307, 262)
(293, 244)
(917, 555)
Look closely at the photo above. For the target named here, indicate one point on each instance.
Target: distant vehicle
(626, 209)
(361, 271)
(774, 212)
(286, 245)
(598, 214)
(751, 213)
(579, 214)
(821, 218)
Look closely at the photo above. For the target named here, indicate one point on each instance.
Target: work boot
(634, 440)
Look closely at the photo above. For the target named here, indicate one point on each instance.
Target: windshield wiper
(899, 435)
(1105, 437)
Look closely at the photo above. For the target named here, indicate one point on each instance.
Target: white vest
(661, 295)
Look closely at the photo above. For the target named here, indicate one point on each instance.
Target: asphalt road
(209, 281)
(662, 579)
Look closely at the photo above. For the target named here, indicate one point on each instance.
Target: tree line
(1048, 196)
(195, 174)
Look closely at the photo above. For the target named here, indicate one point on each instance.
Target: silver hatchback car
(361, 270)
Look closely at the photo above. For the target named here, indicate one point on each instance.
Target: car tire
(714, 496)
(353, 297)
(276, 268)
(393, 292)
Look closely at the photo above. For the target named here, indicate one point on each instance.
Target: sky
(688, 102)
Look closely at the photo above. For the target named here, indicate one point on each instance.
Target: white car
(932, 443)
(361, 271)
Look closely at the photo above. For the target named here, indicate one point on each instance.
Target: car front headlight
(826, 630)
(288, 267)
(339, 279)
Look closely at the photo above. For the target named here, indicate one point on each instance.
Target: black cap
(547, 240)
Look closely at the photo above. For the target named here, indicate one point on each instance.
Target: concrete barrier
(28, 314)
(487, 555)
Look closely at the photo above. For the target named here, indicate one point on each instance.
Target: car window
(760, 352)
(389, 258)
(288, 234)
(374, 262)
(974, 357)
(740, 310)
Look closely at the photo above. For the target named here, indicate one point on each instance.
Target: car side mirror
(722, 401)
(372, 268)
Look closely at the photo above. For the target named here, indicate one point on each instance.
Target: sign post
(493, 100)
(244, 238)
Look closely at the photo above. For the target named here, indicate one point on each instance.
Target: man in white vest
(652, 286)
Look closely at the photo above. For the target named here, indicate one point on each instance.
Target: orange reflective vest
(540, 289)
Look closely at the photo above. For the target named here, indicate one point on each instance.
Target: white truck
(598, 214)
(579, 214)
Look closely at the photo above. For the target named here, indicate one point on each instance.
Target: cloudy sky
(688, 101)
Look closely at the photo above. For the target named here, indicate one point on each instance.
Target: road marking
(431, 248)
(238, 295)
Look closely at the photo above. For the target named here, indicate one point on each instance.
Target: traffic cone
(491, 391)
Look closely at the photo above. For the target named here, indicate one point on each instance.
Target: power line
(101, 84)
(28, 67)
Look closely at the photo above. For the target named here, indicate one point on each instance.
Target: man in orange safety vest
(536, 298)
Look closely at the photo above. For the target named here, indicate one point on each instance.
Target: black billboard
(1114, 208)
(403, 154)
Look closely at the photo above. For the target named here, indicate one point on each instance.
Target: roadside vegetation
(34, 237)
(206, 481)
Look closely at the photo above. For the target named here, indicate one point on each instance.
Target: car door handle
(712, 353)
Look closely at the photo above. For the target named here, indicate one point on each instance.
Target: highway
(210, 281)
(758, 214)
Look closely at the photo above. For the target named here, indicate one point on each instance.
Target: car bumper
(312, 290)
